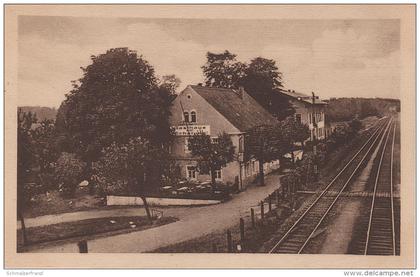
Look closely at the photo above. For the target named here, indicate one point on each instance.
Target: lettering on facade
(184, 130)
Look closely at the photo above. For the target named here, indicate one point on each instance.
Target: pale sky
(333, 58)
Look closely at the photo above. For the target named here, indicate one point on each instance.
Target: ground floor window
(218, 174)
(191, 172)
(319, 132)
(298, 118)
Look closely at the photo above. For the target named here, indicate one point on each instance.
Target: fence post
(262, 209)
(83, 247)
(277, 198)
(269, 203)
(292, 201)
(242, 228)
(229, 241)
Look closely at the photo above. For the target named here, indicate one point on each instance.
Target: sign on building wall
(185, 130)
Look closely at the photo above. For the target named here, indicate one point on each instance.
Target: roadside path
(81, 215)
(193, 222)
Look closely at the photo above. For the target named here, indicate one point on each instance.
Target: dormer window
(189, 96)
(186, 117)
(193, 116)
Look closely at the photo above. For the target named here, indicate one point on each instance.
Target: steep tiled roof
(302, 97)
(239, 109)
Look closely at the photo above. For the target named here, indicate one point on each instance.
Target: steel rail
(374, 193)
(326, 189)
(342, 189)
(392, 191)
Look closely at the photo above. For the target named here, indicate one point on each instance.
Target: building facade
(214, 111)
(309, 111)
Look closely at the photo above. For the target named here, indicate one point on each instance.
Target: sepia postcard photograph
(210, 136)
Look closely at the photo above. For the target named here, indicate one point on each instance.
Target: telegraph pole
(314, 128)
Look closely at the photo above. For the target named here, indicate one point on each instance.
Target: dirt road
(194, 222)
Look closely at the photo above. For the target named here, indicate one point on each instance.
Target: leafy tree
(44, 144)
(264, 143)
(346, 109)
(170, 82)
(222, 70)
(213, 155)
(321, 152)
(302, 133)
(117, 98)
(305, 172)
(343, 133)
(262, 80)
(368, 109)
(291, 181)
(292, 132)
(310, 163)
(125, 168)
(69, 172)
(171, 173)
(339, 135)
(25, 161)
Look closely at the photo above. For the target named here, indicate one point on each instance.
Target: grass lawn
(54, 203)
(86, 229)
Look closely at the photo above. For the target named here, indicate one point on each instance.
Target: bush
(171, 174)
(68, 173)
(321, 152)
(355, 126)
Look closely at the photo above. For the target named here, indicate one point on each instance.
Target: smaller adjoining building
(310, 110)
(214, 111)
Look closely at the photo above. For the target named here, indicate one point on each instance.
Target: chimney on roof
(200, 84)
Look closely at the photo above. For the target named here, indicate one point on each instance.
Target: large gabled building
(214, 111)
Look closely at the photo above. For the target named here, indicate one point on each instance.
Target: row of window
(318, 132)
(190, 116)
(318, 117)
(192, 172)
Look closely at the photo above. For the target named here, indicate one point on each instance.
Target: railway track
(301, 232)
(379, 231)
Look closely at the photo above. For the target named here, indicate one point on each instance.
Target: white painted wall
(112, 200)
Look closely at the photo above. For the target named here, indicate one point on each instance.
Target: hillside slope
(344, 109)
